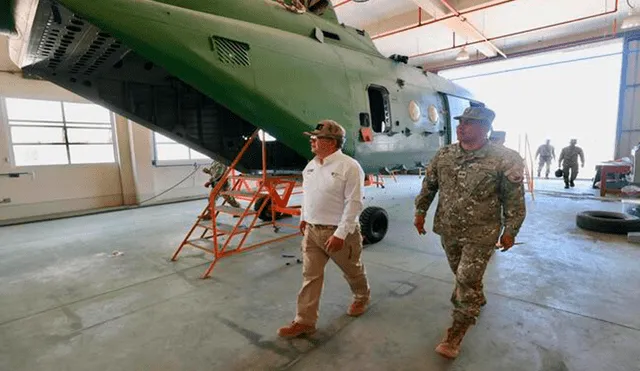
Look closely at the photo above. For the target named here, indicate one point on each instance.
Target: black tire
(608, 222)
(374, 223)
(265, 214)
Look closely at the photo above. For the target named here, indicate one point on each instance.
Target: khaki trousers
(315, 257)
(574, 172)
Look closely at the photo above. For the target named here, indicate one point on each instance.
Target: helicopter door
(380, 108)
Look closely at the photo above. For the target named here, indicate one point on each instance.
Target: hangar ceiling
(433, 32)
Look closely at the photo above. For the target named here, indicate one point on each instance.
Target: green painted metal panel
(254, 62)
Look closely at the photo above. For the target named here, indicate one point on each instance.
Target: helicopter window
(380, 108)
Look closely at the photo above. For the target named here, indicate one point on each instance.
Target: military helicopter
(207, 73)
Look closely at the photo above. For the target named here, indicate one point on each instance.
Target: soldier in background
(479, 182)
(569, 161)
(546, 153)
(216, 171)
(498, 137)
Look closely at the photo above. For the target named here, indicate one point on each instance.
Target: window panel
(91, 154)
(89, 135)
(159, 138)
(37, 135)
(86, 113)
(35, 123)
(26, 155)
(171, 152)
(33, 110)
(195, 155)
(88, 126)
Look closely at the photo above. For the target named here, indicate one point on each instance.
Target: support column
(126, 161)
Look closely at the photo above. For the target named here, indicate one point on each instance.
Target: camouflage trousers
(468, 261)
(546, 163)
(574, 172)
(225, 187)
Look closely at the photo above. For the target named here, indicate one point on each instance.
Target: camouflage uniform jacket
(476, 188)
(570, 155)
(215, 171)
(546, 151)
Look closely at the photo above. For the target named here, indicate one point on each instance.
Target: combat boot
(449, 347)
(295, 329)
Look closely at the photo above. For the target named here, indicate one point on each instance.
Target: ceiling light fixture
(463, 55)
(632, 20)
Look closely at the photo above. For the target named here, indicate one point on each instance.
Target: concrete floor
(565, 300)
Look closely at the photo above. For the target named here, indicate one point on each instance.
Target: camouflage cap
(328, 129)
(478, 114)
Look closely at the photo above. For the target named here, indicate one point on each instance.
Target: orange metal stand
(271, 192)
(377, 180)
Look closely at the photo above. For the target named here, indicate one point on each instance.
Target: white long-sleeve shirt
(333, 193)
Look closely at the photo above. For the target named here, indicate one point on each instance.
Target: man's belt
(323, 226)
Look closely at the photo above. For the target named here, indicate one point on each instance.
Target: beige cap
(328, 129)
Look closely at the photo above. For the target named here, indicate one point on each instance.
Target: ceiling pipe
(523, 32)
(472, 27)
(422, 24)
(525, 53)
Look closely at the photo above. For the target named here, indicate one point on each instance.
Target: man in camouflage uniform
(216, 171)
(481, 192)
(546, 153)
(569, 160)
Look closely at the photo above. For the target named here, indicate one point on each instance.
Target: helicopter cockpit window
(380, 108)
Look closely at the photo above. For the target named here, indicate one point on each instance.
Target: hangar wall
(69, 188)
(628, 133)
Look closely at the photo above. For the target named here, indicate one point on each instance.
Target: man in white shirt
(333, 185)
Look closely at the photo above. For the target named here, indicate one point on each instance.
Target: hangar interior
(93, 205)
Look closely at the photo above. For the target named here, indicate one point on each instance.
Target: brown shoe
(358, 307)
(296, 329)
(449, 347)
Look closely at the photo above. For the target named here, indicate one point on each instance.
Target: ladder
(215, 237)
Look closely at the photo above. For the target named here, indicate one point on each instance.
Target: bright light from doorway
(556, 96)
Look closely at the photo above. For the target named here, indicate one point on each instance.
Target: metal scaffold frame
(270, 195)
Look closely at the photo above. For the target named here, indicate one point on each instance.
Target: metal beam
(460, 25)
